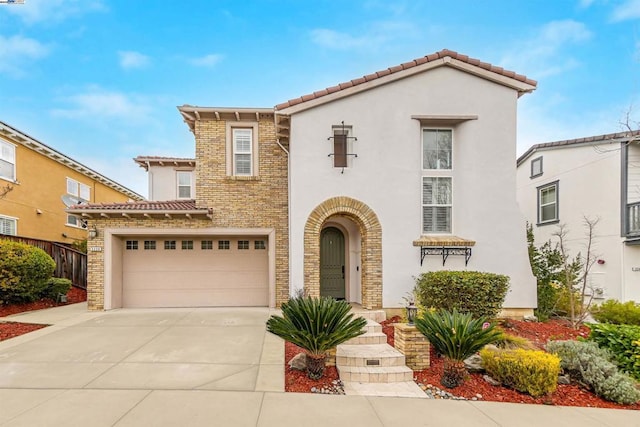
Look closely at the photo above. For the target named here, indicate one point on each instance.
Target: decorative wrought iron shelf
(445, 251)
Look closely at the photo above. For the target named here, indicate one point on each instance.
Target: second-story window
(242, 152)
(7, 161)
(184, 184)
(78, 189)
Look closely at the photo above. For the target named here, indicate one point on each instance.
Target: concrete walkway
(193, 367)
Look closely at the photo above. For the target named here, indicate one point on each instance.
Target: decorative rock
(298, 362)
(490, 380)
(530, 318)
(564, 379)
(474, 363)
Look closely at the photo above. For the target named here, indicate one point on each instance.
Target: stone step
(375, 374)
(368, 355)
(373, 327)
(400, 389)
(375, 315)
(368, 338)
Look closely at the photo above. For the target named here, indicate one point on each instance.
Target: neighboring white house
(416, 163)
(597, 177)
(170, 178)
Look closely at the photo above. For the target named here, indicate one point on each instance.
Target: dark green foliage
(480, 294)
(316, 325)
(80, 245)
(613, 311)
(56, 286)
(548, 267)
(623, 341)
(456, 336)
(590, 365)
(24, 272)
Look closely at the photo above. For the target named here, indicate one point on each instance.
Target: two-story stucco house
(37, 183)
(596, 177)
(351, 191)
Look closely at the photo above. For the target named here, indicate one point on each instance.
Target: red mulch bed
(14, 329)
(538, 332)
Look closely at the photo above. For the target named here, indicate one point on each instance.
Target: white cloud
(209, 60)
(543, 53)
(49, 11)
(373, 36)
(98, 102)
(16, 52)
(630, 9)
(130, 59)
(586, 3)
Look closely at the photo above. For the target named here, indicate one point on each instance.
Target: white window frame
(4, 219)
(238, 152)
(436, 205)
(178, 186)
(78, 189)
(9, 158)
(76, 222)
(435, 129)
(556, 186)
(231, 151)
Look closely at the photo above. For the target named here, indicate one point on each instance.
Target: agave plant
(316, 325)
(456, 336)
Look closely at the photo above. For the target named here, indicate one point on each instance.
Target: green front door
(332, 263)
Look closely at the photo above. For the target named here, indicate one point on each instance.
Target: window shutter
(339, 150)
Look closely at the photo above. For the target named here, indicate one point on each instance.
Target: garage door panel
(196, 277)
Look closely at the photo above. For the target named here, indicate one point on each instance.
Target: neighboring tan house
(170, 178)
(563, 182)
(37, 183)
(351, 192)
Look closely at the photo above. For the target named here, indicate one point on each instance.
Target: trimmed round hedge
(24, 272)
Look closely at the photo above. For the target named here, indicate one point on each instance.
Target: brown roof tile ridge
(404, 66)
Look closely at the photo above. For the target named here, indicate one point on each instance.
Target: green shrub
(613, 311)
(480, 294)
(529, 371)
(585, 362)
(512, 342)
(316, 325)
(623, 341)
(24, 271)
(456, 336)
(562, 307)
(56, 286)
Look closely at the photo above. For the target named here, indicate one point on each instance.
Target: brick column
(415, 347)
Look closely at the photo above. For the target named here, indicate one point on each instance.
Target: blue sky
(100, 80)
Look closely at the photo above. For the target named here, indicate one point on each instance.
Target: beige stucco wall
(40, 184)
(163, 182)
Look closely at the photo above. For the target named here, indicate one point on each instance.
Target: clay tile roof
(395, 69)
(147, 205)
(609, 137)
(161, 158)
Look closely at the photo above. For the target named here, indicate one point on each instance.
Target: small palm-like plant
(456, 336)
(316, 325)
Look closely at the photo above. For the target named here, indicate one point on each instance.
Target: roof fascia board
(35, 145)
(537, 149)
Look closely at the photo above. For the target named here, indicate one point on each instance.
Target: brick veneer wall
(236, 202)
(415, 346)
(371, 255)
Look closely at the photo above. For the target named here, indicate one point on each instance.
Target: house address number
(635, 268)
(95, 249)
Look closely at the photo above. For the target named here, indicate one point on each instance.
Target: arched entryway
(370, 263)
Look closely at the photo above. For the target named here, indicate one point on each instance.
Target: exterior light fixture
(93, 233)
(412, 312)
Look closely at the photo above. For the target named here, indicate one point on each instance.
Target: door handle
(343, 271)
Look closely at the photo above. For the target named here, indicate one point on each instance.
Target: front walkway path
(176, 368)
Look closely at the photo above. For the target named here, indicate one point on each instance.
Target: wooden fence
(70, 263)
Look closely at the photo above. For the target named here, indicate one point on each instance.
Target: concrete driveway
(160, 349)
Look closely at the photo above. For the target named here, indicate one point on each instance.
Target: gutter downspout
(288, 201)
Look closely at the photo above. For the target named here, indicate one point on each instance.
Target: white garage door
(195, 272)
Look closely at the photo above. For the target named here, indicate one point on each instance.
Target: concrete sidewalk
(171, 367)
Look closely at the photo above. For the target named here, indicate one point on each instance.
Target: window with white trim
(242, 151)
(223, 245)
(8, 225)
(436, 204)
(437, 145)
(169, 245)
(260, 244)
(131, 245)
(149, 245)
(548, 204)
(76, 221)
(206, 245)
(187, 245)
(184, 184)
(78, 189)
(7, 161)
